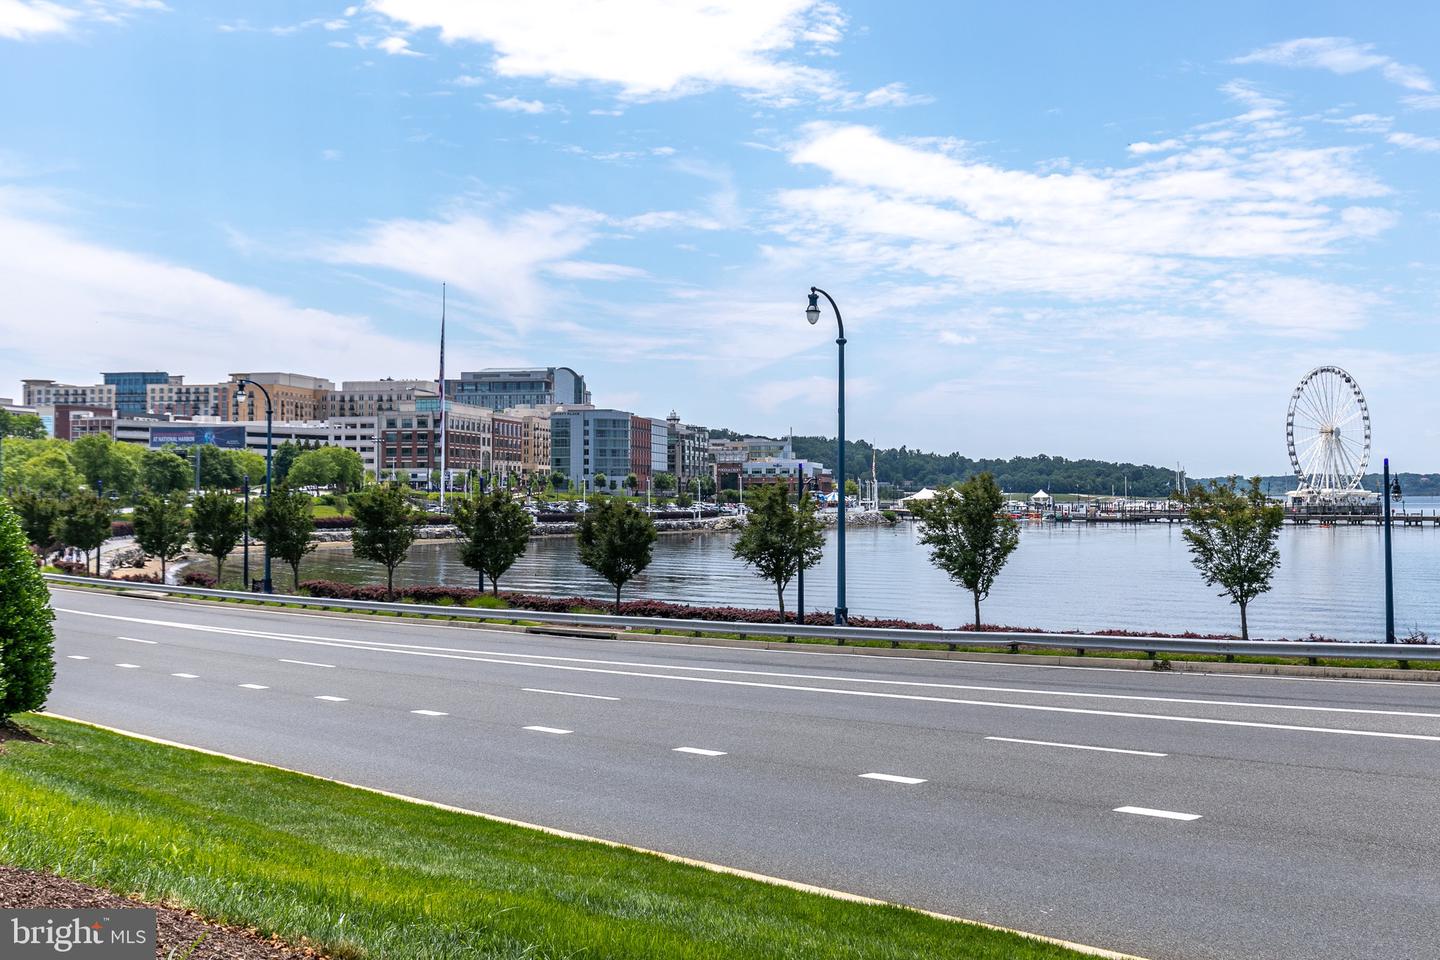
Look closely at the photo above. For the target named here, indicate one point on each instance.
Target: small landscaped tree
(615, 540)
(161, 527)
(780, 539)
(27, 639)
(39, 517)
(106, 465)
(632, 483)
(85, 524)
(384, 529)
(217, 522)
(1232, 537)
(285, 524)
(968, 535)
(664, 483)
(599, 483)
(494, 533)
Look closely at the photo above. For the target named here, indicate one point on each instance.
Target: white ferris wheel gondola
(1327, 430)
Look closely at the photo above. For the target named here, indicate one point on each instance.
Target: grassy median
(363, 875)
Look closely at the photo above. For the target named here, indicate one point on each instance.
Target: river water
(1062, 577)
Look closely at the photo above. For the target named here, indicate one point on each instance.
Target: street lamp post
(245, 488)
(269, 454)
(800, 573)
(812, 313)
(1390, 490)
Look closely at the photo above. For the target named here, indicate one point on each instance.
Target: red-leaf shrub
(122, 528)
(140, 577)
(74, 568)
(197, 578)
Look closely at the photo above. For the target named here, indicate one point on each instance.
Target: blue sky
(1122, 231)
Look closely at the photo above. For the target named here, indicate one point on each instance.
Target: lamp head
(812, 312)
(1395, 488)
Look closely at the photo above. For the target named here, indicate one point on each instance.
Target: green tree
(328, 466)
(615, 540)
(494, 533)
(49, 473)
(968, 535)
(780, 538)
(163, 472)
(1233, 536)
(85, 524)
(105, 465)
(852, 489)
(599, 482)
(664, 482)
(285, 526)
(217, 522)
(632, 483)
(384, 529)
(282, 459)
(161, 527)
(26, 425)
(218, 468)
(250, 464)
(558, 480)
(39, 517)
(27, 638)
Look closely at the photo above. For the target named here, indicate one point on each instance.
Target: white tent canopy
(1040, 496)
(925, 494)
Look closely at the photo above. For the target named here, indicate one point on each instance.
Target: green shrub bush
(27, 639)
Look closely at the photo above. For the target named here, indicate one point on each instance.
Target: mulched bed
(176, 928)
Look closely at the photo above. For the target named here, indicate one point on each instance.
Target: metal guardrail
(950, 639)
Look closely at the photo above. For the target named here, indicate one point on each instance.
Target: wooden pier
(1299, 518)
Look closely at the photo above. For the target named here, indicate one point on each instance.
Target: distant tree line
(908, 469)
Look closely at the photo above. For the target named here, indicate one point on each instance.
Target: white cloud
(330, 154)
(397, 46)
(1142, 147)
(648, 49)
(516, 105)
(589, 270)
(1422, 101)
(468, 80)
(1411, 141)
(1158, 229)
(1340, 55)
(1291, 305)
(27, 19)
(498, 260)
(890, 95)
(120, 307)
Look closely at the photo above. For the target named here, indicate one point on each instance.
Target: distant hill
(906, 469)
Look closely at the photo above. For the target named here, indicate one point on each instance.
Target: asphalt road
(1277, 818)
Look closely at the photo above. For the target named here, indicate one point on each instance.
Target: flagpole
(443, 417)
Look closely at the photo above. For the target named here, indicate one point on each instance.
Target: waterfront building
(687, 453)
(132, 388)
(501, 388)
(49, 393)
(362, 398)
(410, 441)
(507, 439)
(294, 396)
(177, 398)
(534, 440)
(137, 430)
(649, 449)
(759, 473)
(586, 442)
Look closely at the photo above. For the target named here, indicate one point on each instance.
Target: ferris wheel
(1328, 431)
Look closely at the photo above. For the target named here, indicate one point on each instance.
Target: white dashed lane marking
(549, 730)
(430, 713)
(700, 752)
(333, 699)
(254, 686)
(1163, 814)
(1077, 746)
(891, 778)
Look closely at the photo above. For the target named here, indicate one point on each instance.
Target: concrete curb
(568, 835)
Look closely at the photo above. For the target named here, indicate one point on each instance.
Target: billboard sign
(198, 435)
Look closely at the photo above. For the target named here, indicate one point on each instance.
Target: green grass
(363, 875)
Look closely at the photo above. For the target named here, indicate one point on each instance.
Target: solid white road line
(567, 693)
(129, 666)
(334, 699)
(699, 752)
(254, 686)
(891, 778)
(138, 640)
(430, 713)
(1078, 746)
(1163, 814)
(535, 661)
(307, 663)
(76, 656)
(549, 730)
(186, 676)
